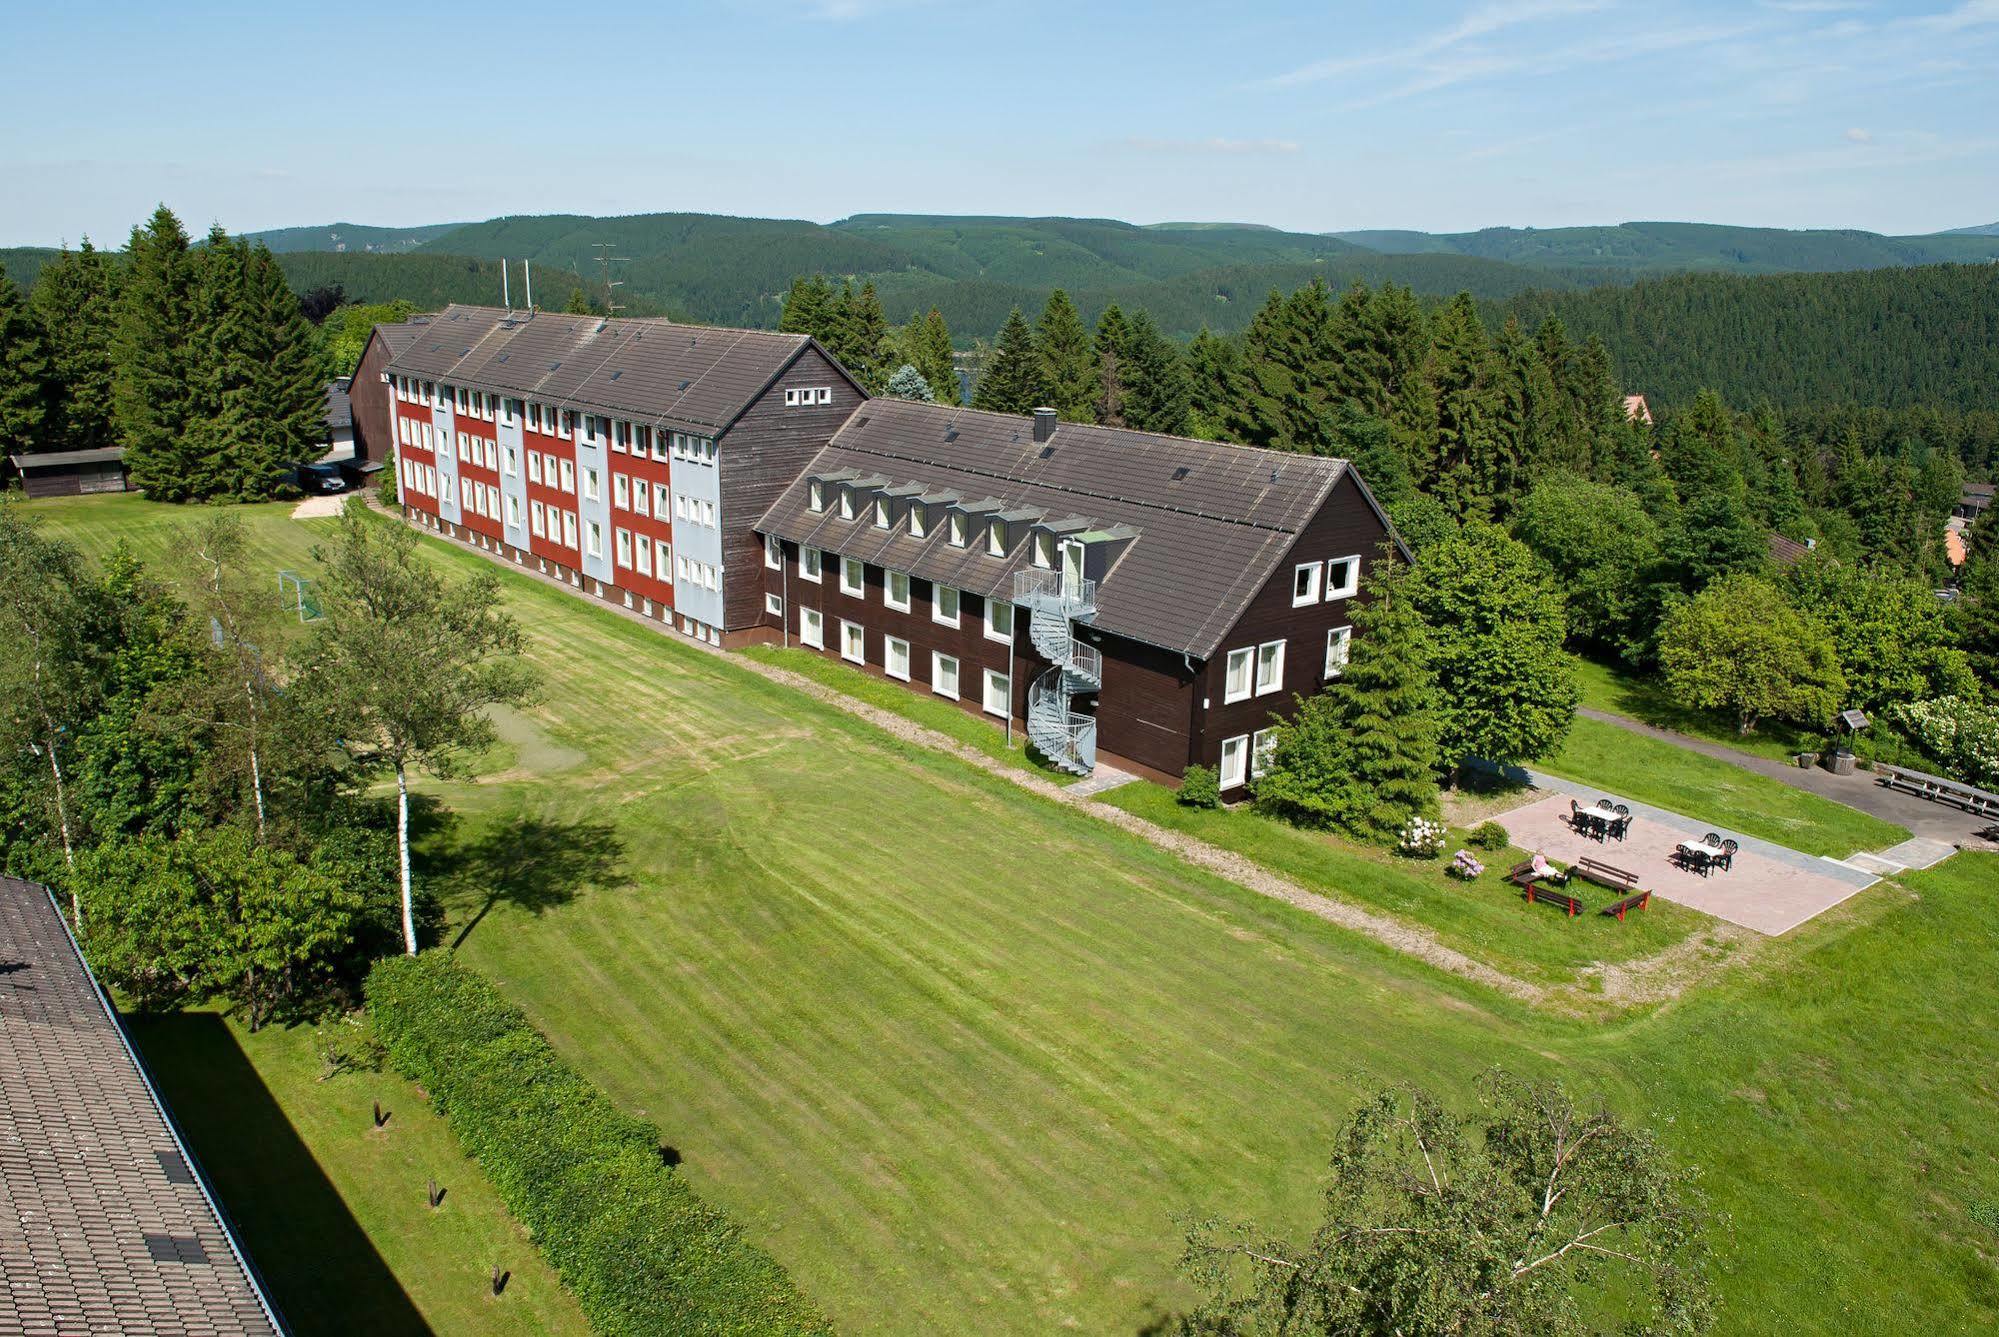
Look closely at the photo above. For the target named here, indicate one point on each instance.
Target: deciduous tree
(1740, 646)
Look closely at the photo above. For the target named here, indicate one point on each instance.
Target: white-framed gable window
(1339, 643)
(944, 605)
(1044, 550)
(999, 621)
(815, 495)
(919, 524)
(853, 642)
(895, 590)
(895, 658)
(846, 503)
(773, 552)
(881, 513)
(996, 538)
(944, 674)
(1342, 577)
(994, 690)
(1237, 681)
(812, 628)
(955, 529)
(1269, 667)
(1235, 761)
(811, 561)
(853, 577)
(1305, 583)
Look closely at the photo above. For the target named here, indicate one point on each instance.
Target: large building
(630, 458)
(1147, 600)
(109, 1225)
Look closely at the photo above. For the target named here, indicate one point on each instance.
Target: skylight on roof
(616, 374)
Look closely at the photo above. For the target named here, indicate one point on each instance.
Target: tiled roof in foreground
(104, 1224)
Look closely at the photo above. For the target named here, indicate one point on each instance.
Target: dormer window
(816, 495)
(996, 538)
(881, 513)
(1044, 550)
(846, 504)
(918, 525)
(957, 531)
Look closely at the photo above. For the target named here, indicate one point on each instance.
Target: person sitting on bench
(1543, 871)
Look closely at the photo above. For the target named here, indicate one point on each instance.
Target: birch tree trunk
(403, 850)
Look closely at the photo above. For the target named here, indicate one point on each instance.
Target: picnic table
(1939, 790)
(1708, 853)
(1600, 819)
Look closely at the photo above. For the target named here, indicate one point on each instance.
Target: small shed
(69, 473)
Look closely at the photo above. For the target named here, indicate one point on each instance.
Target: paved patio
(1770, 889)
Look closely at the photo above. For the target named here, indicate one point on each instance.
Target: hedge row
(639, 1250)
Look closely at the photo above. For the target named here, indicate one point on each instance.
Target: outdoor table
(1699, 850)
(1600, 817)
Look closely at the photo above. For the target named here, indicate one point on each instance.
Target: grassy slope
(1488, 919)
(956, 1055)
(1606, 687)
(1633, 766)
(334, 1211)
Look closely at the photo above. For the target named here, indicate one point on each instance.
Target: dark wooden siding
(967, 641)
(368, 399)
(1345, 526)
(1146, 710)
(759, 457)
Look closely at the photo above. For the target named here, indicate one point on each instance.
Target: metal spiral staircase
(1054, 606)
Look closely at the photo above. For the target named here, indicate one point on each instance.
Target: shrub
(1489, 836)
(387, 490)
(1421, 839)
(1465, 867)
(1200, 787)
(641, 1253)
(1962, 734)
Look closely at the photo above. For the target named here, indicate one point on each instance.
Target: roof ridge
(1028, 419)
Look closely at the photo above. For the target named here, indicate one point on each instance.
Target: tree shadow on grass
(532, 863)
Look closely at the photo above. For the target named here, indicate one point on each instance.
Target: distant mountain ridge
(1982, 230)
(1673, 248)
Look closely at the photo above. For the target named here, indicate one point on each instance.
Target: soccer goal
(295, 591)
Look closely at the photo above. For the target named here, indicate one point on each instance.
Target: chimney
(1044, 424)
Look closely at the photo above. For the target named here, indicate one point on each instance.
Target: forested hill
(351, 237)
(1885, 338)
(1633, 249)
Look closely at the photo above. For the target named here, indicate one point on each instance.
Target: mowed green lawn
(958, 1055)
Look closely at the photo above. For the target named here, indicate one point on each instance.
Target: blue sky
(1441, 116)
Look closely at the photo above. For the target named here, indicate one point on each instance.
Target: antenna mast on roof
(612, 306)
(506, 299)
(527, 272)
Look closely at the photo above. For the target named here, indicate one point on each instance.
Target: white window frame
(621, 547)
(881, 512)
(955, 529)
(1246, 658)
(594, 532)
(589, 484)
(642, 554)
(1044, 550)
(854, 577)
(894, 648)
(1262, 744)
(938, 659)
(993, 609)
(1235, 762)
(1312, 576)
(889, 597)
(846, 503)
(937, 601)
(851, 635)
(987, 680)
(1340, 639)
(1276, 663)
(774, 604)
(996, 538)
(1352, 585)
(569, 529)
(917, 527)
(773, 552)
(815, 496)
(621, 492)
(811, 564)
(812, 628)
(568, 476)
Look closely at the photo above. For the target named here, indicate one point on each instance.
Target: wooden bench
(1638, 902)
(1570, 906)
(1522, 874)
(1604, 875)
(1938, 790)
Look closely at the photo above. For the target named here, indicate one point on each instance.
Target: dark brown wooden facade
(71, 473)
(368, 398)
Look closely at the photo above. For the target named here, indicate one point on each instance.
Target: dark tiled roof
(402, 333)
(691, 378)
(1212, 521)
(339, 411)
(55, 459)
(1786, 551)
(104, 1226)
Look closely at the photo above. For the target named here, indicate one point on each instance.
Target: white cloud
(1859, 136)
(1484, 21)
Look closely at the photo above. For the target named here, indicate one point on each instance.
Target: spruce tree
(1468, 456)
(1063, 342)
(1361, 755)
(1012, 379)
(224, 346)
(1108, 357)
(927, 344)
(25, 385)
(153, 401)
(908, 383)
(1214, 384)
(808, 308)
(287, 385)
(74, 299)
(1157, 393)
(864, 335)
